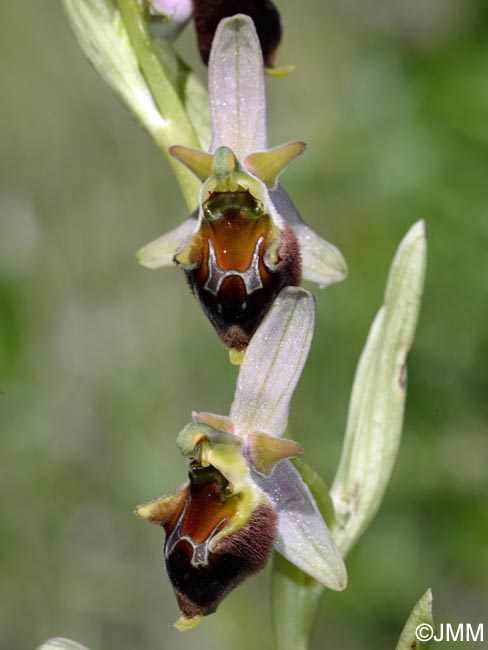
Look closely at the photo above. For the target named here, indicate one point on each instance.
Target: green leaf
(104, 40)
(378, 396)
(420, 625)
(370, 447)
(160, 252)
(190, 90)
(294, 601)
(117, 42)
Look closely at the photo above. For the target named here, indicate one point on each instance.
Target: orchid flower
(244, 497)
(246, 241)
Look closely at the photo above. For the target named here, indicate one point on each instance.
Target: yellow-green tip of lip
(236, 356)
(281, 71)
(184, 624)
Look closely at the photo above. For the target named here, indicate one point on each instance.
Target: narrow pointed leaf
(115, 38)
(101, 33)
(273, 363)
(419, 625)
(378, 396)
(190, 90)
(160, 252)
(294, 600)
(236, 88)
(170, 103)
(303, 537)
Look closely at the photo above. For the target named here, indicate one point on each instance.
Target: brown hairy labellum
(208, 13)
(229, 271)
(203, 569)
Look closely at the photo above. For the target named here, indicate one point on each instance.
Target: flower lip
(238, 261)
(215, 538)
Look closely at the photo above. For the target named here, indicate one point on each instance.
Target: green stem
(294, 603)
(179, 129)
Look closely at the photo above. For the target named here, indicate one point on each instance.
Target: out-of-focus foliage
(101, 361)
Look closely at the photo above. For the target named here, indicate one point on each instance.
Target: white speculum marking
(216, 275)
(200, 550)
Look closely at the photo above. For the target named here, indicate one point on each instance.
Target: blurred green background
(102, 361)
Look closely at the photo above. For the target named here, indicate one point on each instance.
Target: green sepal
(322, 263)
(161, 252)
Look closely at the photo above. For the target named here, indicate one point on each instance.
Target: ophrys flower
(246, 240)
(244, 496)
